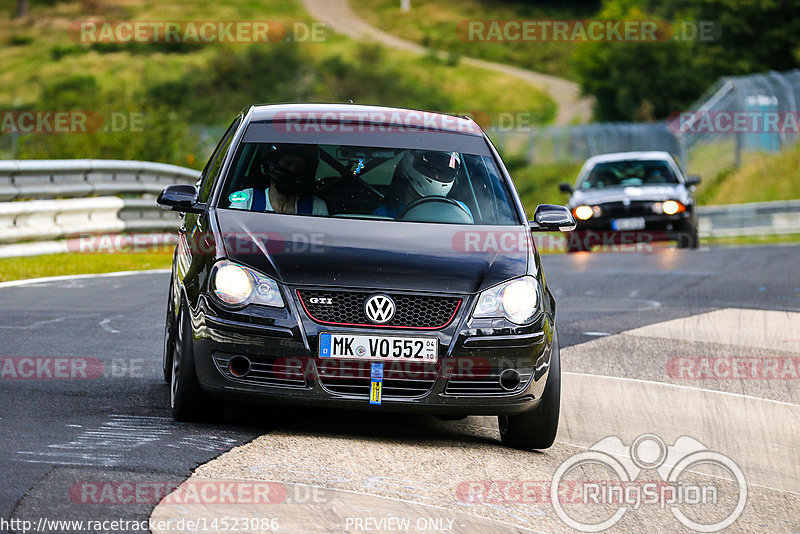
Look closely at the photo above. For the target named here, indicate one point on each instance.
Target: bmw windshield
(628, 173)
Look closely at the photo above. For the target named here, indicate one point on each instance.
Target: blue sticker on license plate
(324, 345)
(376, 384)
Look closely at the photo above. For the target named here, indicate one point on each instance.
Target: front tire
(691, 239)
(169, 338)
(537, 428)
(187, 401)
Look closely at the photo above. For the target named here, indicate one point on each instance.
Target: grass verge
(768, 239)
(178, 92)
(74, 263)
(441, 25)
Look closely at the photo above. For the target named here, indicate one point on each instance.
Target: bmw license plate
(633, 223)
(379, 348)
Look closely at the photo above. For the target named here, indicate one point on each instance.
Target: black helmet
(289, 182)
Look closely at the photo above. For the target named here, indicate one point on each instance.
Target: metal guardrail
(41, 179)
(759, 218)
(29, 227)
(57, 214)
(37, 220)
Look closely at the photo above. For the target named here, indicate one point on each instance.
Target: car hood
(640, 192)
(358, 253)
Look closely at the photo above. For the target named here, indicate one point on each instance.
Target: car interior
(353, 181)
(629, 173)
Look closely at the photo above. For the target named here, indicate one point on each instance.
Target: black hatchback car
(362, 257)
(632, 197)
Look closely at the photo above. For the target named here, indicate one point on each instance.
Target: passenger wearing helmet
(420, 174)
(291, 170)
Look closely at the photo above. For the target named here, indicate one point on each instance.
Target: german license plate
(633, 223)
(379, 348)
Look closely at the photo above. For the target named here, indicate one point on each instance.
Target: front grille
(485, 383)
(352, 378)
(264, 371)
(635, 209)
(347, 308)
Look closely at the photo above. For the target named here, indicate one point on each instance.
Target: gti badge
(380, 309)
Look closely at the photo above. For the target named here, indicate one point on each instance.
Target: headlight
(237, 285)
(669, 207)
(516, 300)
(583, 212)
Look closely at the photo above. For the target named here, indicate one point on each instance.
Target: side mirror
(179, 197)
(565, 187)
(552, 218)
(693, 179)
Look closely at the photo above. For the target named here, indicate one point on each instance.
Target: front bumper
(282, 346)
(597, 231)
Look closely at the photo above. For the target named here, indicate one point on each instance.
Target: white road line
(30, 281)
(693, 388)
(759, 434)
(104, 324)
(47, 321)
(744, 327)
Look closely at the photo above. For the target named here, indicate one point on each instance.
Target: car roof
(624, 156)
(373, 115)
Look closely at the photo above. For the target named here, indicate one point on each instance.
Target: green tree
(633, 80)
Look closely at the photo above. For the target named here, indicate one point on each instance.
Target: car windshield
(386, 183)
(628, 173)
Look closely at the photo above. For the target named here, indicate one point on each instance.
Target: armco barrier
(51, 219)
(29, 227)
(41, 179)
(41, 204)
(759, 218)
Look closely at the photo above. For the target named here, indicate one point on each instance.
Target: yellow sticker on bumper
(376, 384)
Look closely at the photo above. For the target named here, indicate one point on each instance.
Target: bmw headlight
(669, 207)
(583, 212)
(517, 300)
(238, 285)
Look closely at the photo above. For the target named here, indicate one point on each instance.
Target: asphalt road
(114, 422)
(61, 435)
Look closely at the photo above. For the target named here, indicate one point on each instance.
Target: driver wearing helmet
(423, 173)
(291, 170)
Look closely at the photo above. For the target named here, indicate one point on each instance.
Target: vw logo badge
(380, 309)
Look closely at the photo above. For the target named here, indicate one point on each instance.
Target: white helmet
(430, 173)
